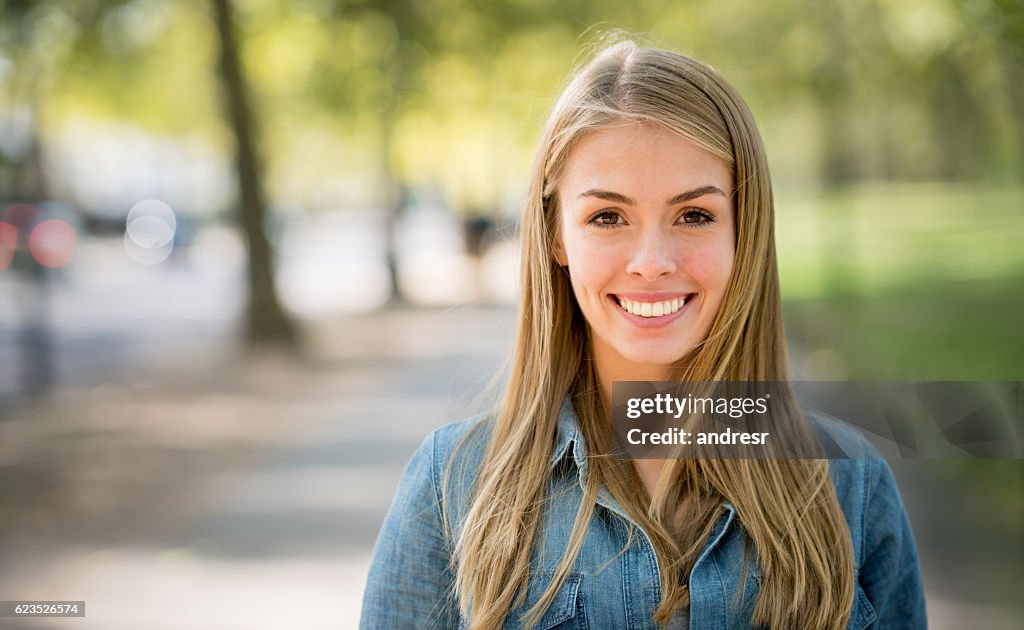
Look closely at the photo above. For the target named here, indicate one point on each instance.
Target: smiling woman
(648, 253)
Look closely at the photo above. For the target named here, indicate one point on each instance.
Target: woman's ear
(559, 248)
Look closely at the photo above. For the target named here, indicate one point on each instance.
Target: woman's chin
(651, 363)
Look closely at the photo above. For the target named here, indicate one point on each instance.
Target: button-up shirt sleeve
(410, 583)
(889, 573)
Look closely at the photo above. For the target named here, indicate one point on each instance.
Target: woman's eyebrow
(696, 192)
(608, 195)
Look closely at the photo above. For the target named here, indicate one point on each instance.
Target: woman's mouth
(652, 309)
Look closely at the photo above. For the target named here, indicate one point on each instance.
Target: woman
(647, 255)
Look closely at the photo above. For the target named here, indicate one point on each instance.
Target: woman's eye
(696, 216)
(606, 219)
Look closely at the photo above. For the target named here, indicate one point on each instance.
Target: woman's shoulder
(443, 468)
(854, 463)
(450, 456)
(883, 542)
(840, 440)
(446, 465)
(463, 439)
(864, 482)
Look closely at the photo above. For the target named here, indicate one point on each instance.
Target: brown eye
(606, 218)
(696, 216)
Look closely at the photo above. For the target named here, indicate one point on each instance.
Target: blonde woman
(647, 255)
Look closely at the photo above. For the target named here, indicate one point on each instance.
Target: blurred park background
(252, 251)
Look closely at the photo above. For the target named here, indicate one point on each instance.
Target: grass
(955, 330)
(876, 238)
(906, 282)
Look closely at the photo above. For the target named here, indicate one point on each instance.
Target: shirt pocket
(863, 613)
(565, 612)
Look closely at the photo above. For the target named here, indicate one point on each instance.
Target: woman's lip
(650, 322)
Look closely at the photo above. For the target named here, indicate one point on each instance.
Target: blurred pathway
(282, 540)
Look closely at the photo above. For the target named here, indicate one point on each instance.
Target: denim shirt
(411, 582)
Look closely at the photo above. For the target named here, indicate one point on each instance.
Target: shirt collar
(568, 435)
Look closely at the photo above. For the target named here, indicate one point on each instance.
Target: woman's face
(645, 229)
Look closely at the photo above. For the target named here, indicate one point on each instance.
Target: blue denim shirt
(410, 584)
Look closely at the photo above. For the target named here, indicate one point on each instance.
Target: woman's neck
(608, 374)
(610, 370)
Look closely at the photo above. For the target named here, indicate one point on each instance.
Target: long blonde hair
(788, 508)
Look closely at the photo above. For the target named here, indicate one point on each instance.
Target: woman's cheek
(595, 273)
(713, 264)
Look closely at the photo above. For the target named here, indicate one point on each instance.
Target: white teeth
(652, 309)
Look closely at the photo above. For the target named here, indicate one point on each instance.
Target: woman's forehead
(640, 159)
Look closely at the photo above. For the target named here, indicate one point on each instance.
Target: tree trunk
(395, 202)
(266, 320)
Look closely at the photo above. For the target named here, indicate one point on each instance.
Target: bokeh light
(8, 244)
(149, 232)
(22, 217)
(52, 243)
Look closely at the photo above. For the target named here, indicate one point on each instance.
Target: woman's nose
(653, 258)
